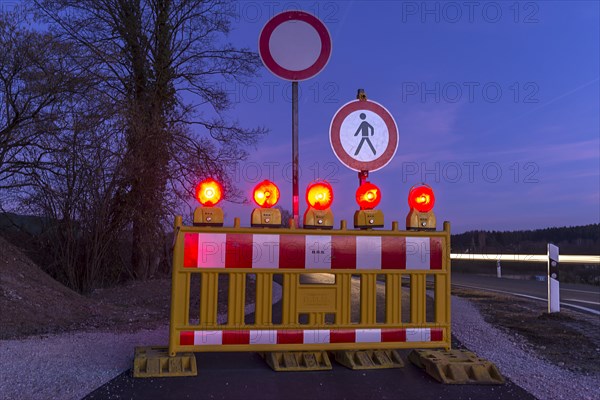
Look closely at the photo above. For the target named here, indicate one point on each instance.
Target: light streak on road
(542, 258)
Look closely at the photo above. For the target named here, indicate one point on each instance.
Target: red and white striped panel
(315, 336)
(247, 250)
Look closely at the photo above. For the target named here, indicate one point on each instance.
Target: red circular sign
(363, 135)
(294, 45)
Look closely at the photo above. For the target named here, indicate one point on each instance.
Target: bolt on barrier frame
(291, 252)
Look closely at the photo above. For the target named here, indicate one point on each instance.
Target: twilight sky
(497, 106)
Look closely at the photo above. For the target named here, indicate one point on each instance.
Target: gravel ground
(71, 365)
(516, 361)
(68, 366)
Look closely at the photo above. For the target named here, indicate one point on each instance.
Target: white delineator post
(553, 282)
(498, 269)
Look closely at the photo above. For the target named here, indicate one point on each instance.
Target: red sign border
(267, 59)
(336, 143)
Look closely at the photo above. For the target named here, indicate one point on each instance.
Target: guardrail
(551, 258)
(542, 258)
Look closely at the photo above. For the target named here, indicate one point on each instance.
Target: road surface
(246, 376)
(584, 298)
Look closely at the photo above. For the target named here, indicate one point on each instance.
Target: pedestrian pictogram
(363, 135)
(364, 129)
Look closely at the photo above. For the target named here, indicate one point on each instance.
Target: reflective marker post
(498, 269)
(553, 280)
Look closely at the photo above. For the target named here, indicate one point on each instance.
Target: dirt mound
(30, 300)
(33, 303)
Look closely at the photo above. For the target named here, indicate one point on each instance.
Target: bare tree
(35, 77)
(59, 151)
(82, 224)
(159, 61)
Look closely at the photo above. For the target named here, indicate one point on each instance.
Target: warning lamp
(421, 201)
(208, 192)
(266, 195)
(319, 196)
(368, 197)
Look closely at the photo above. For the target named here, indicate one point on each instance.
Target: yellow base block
(369, 359)
(298, 360)
(456, 367)
(154, 362)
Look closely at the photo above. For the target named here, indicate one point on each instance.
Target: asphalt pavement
(585, 298)
(246, 376)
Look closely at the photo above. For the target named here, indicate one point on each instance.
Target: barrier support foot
(154, 362)
(456, 367)
(369, 359)
(298, 360)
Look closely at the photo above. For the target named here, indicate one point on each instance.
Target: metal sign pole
(295, 38)
(295, 204)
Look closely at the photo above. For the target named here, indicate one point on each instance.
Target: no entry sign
(294, 45)
(363, 135)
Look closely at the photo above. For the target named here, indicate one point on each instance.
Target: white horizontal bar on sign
(563, 258)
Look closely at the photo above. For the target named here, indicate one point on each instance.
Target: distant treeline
(570, 239)
(30, 233)
(576, 240)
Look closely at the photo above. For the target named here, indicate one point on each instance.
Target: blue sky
(497, 108)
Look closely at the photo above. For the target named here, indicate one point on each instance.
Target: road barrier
(315, 317)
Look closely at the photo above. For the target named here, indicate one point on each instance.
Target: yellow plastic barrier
(314, 316)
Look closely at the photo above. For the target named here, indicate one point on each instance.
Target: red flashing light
(209, 192)
(421, 198)
(266, 194)
(368, 196)
(319, 195)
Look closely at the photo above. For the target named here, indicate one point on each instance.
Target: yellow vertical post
(290, 289)
(442, 290)
(393, 298)
(417, 299)
(180, 288)
(448, 268)
(344, 298)
(237, 299)
(316, 318)
(368, 299)
(186, 281)
(264, 296)
(209, 292)
(441, 316)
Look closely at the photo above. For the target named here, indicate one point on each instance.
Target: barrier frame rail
(265, 336)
